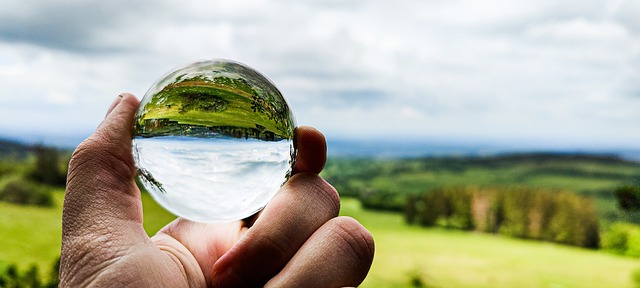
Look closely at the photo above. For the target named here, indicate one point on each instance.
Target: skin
(297, 240)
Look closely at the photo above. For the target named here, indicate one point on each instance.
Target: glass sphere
(214, 141)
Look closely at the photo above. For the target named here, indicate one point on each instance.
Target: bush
(18, 190)
(617, 238)
(31, 278)
(48, 167)
(460, 203)
(381, 200)
(635, 277)
(487, 211)
(433, 206)
(10, 276)
(622, 239)
(411, 209)
(633, 242)
(516, 205)
(628, 197)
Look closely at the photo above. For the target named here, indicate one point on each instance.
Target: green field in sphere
(213, 98)
(214, 141)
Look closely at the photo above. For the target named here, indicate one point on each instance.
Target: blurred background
(467, 136)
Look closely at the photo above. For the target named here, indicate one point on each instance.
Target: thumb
(102, 206)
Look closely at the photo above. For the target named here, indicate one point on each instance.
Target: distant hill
(409, 149)
(15, 149)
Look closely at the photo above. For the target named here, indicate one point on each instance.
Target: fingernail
(114, 104)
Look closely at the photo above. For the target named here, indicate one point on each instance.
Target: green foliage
(633, 243)
(47, 169)
(417, 279)
(381, 200)
(431, 210)
(557, 217)
(16, 189)
(628, 197)
(8, 167)
(622, 239)
(635, 277)
(451, 208)
(617, 238)
(31, 234)
(55, 274)
(515, 206)
(452, 258)
(31, 277)
(202, 102)
(8, 275)
(12, 277)
(29, 179)
(487, 210)
(239, 84)
(13, 150)
(385, 184)
(411, 209)
(236, 103)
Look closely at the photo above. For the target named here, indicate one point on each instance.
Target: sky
(534, 72)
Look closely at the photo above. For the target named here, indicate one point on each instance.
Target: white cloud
(424, 69)
(582, 31)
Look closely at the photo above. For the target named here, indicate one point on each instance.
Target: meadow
(191, 102)
(408, 255)
(411, 255)
(405, 255)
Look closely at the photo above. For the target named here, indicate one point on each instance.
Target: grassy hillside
(446, 258)
(580, 173)
(434, 257)
(384, 183)
(32, 235)
(439, 258)
(29, 234)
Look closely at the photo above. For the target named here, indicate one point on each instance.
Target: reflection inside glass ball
(213, 141)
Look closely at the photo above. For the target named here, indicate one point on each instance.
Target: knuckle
(278, 248)
(99, 152)
(354, 239)
(321, 190)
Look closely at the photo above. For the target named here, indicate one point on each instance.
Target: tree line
(529, 213)
(28, 180)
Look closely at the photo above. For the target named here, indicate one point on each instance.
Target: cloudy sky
(540, 72)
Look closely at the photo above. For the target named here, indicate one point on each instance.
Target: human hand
(297, 240)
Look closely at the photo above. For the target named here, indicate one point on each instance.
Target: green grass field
(446, 258)
(440, 258)
(239, 108)
(32, 235)
(236, 114)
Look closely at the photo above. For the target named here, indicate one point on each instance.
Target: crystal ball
(214, 141)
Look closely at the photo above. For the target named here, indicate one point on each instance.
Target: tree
(47, 169)
(628, 197)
